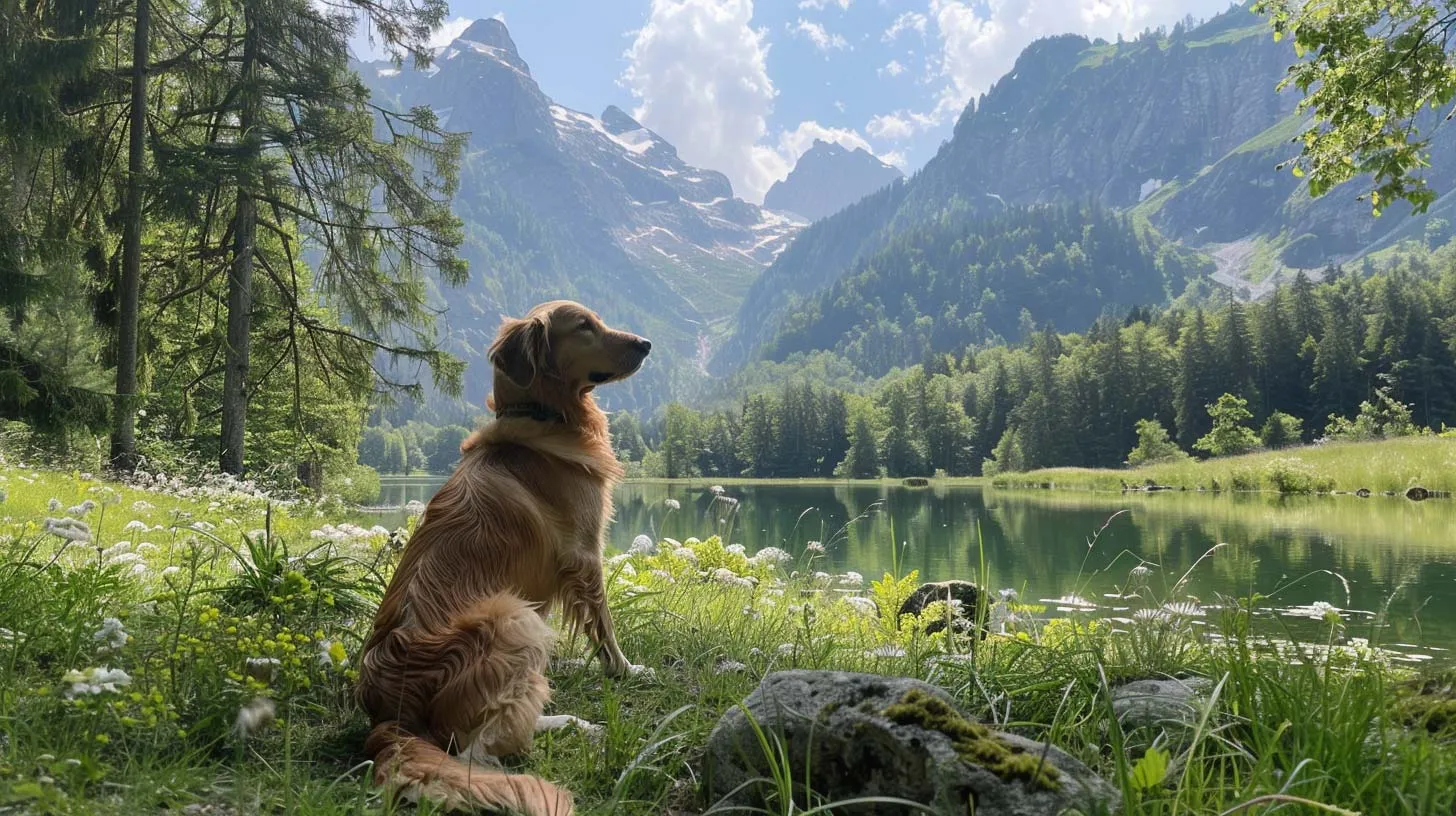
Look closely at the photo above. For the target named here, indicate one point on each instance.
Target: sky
(745, 87)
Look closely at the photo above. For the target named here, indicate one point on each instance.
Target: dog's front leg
(584, 602)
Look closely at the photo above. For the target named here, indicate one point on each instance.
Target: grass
(212, 616)
(1385, 466)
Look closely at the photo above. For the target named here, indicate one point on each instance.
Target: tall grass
(213, 617)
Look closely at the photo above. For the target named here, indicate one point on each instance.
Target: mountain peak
(617, 121)
(828, 178)
(491, 32)
(490, 37)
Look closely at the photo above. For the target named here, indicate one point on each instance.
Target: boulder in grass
(961, 595)
(853, 736)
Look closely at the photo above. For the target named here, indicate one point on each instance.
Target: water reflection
(1360, 555)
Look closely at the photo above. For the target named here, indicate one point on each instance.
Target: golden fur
(457, 658)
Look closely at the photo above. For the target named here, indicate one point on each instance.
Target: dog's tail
(419, 769)
(478, 683)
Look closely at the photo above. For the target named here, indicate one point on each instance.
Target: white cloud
(895, 158)
(981, 39)
(815, 33)
(839, 105)
(893, 68)
(450, 30)
(898, 126)
(908, 21)
(820, 4)
(697, 69)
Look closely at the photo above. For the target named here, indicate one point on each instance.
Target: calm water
(1358, 554)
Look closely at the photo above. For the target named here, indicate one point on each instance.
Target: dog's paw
(561, 722)
(638, 671)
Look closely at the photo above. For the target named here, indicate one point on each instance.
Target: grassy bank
(194, 616)
(1392, 465)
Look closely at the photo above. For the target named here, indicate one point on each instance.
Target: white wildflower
(618, 560)
(1319, 610)
(736, 549)
(1008, 595)
(135, 525)
(53, 505)
(1183, 609)
(111, 634)
(663, 575)
(822, 578)
(255, 716)
(728, 577)
(851, 579)
(68, 528)
(863, 605)
(888, 650)
(814, 547)
(1151, 615)
(686, 554)
(751, 613)
(643, 545)
(672, 504)
(95, 681)
(726, 666)
(414, 507)
(79, 511)
(786, 650)
(716, 490)
(141, 507)
(771, 556)
(169, 571)
(146, 546)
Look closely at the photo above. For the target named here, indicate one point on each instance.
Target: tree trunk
(240, 274)
(123, 435)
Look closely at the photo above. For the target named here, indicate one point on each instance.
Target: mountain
(828, 178)
(1181, 130)
(559, 203)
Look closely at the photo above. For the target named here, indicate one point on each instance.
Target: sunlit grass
(215, 616)
(1391, 465)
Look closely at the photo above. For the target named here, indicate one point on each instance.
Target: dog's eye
(585, 326)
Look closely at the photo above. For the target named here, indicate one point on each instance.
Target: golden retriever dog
(456, 662)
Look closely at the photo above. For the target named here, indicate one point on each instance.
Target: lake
(1361, 555)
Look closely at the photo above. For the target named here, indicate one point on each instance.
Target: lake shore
(1389, 466)
(136, 637)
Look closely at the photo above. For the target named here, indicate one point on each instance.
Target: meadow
(188, 644)
(1381, 466)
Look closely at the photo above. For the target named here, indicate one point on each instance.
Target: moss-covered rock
(861, 735)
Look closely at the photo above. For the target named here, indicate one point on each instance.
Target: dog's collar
(530, 410)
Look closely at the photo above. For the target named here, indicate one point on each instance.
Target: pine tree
(1196, 381)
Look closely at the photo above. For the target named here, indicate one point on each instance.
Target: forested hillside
(974, 278)
(1355, 357)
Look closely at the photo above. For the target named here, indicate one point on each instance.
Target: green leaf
(1298, 173)
(1150, 771)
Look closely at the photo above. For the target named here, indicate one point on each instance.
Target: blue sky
(744, 87)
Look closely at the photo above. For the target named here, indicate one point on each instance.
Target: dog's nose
(644, 345)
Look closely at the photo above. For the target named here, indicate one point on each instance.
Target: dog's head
(561, 350)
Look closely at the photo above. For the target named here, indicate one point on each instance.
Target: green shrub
(1289, 475)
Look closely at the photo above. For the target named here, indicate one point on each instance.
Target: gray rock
(865, 735)
(1159, 703)
(967, 593)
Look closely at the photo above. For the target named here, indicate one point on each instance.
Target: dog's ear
(520, 350)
